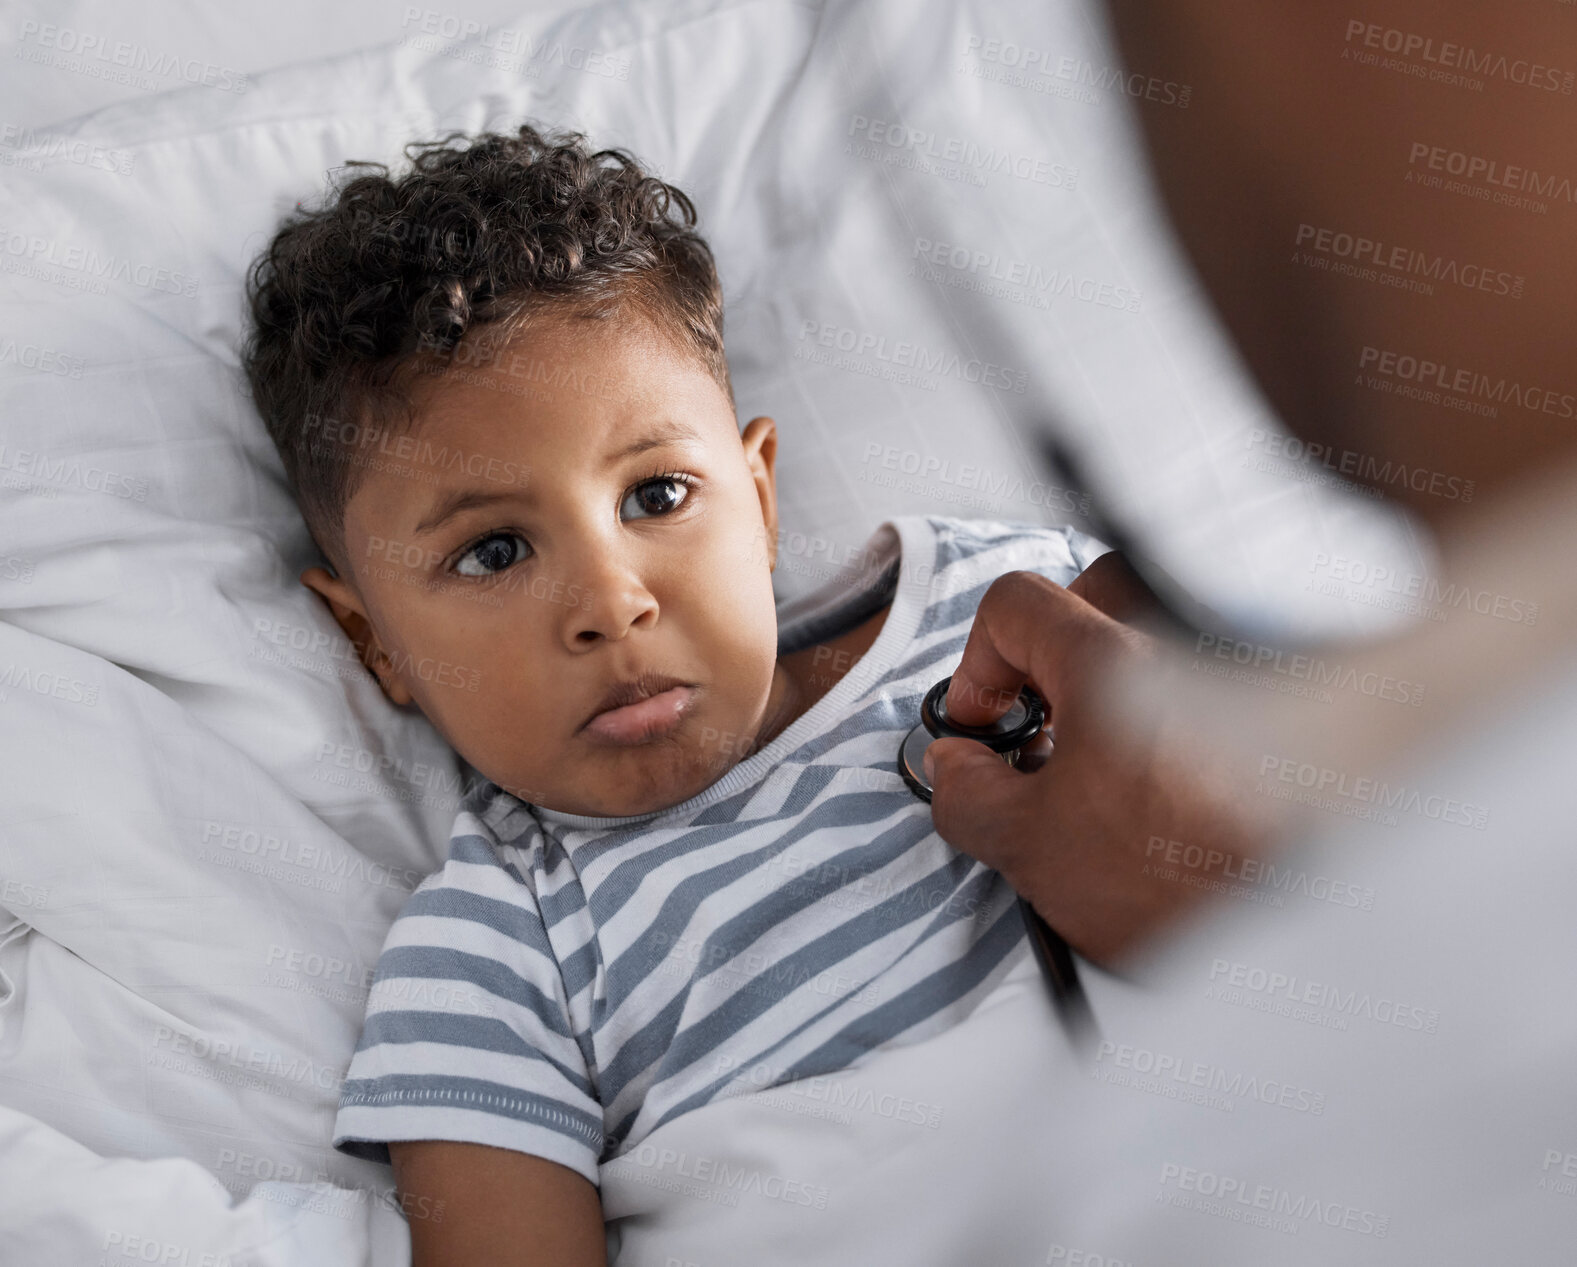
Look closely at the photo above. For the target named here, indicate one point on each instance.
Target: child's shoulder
(492, 831)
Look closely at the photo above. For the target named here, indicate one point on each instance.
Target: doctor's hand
(1084, 836)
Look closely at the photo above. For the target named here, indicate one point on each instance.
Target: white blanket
(944, 1152)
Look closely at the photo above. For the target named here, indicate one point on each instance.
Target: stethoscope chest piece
(1005, 736)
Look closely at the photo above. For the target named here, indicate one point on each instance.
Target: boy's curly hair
(394, 277)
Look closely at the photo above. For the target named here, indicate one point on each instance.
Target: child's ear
(760, 439)
(346, 607)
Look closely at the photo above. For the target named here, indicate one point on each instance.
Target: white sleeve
(62, 1205)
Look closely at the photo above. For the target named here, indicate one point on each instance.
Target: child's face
(629, 530)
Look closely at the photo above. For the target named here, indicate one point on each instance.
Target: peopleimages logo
(1356, 579)
(733, 1178)
(1236, 1198)
(1286, 880)
(1363, 466)
(503, 48)
(31, 147)
(1450, 56)
(1032, 280)
(999, 486)
(1424, 372)
(34, 256)
(69, 473)
(1372, 254)
(1229, 977)
(44, 359)
(1491, 171)
(94, 55)
(1029, 63)
(308, 855)
(1311, 669)
(1323, 780)
(1169, 1070)
(909, 354)
(984, 160)
(408, 449)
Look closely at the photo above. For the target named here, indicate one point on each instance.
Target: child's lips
(645, 720)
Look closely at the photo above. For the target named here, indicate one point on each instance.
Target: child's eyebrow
(663, 431)
(450, 504)
(453, 502)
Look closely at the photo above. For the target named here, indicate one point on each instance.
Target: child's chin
(655, 778)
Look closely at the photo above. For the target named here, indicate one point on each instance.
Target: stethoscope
(1006, 736)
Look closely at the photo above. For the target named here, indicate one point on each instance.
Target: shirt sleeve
(467, 1034)
(1059, 554)
(1084, 548)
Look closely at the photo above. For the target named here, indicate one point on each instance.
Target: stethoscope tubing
(1051, 950)
(1062, 975)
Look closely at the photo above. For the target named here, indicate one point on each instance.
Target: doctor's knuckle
(1019, 592)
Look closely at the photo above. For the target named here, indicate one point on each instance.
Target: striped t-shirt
(567, 984)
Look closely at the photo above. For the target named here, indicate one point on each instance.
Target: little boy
(498, 387)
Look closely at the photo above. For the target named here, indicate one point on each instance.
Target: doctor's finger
(978, 801)
(1112, 587)
(1027, 628)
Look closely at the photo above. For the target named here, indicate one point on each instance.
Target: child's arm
(494, 1207)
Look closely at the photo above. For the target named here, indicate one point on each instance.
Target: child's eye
(660, 496)
(492, 554)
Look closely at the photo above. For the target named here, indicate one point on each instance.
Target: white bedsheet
(944, 1152)
(210, 814)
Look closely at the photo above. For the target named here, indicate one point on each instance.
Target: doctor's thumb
(974, 795)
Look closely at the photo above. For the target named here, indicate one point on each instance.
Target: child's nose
(620, 603)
